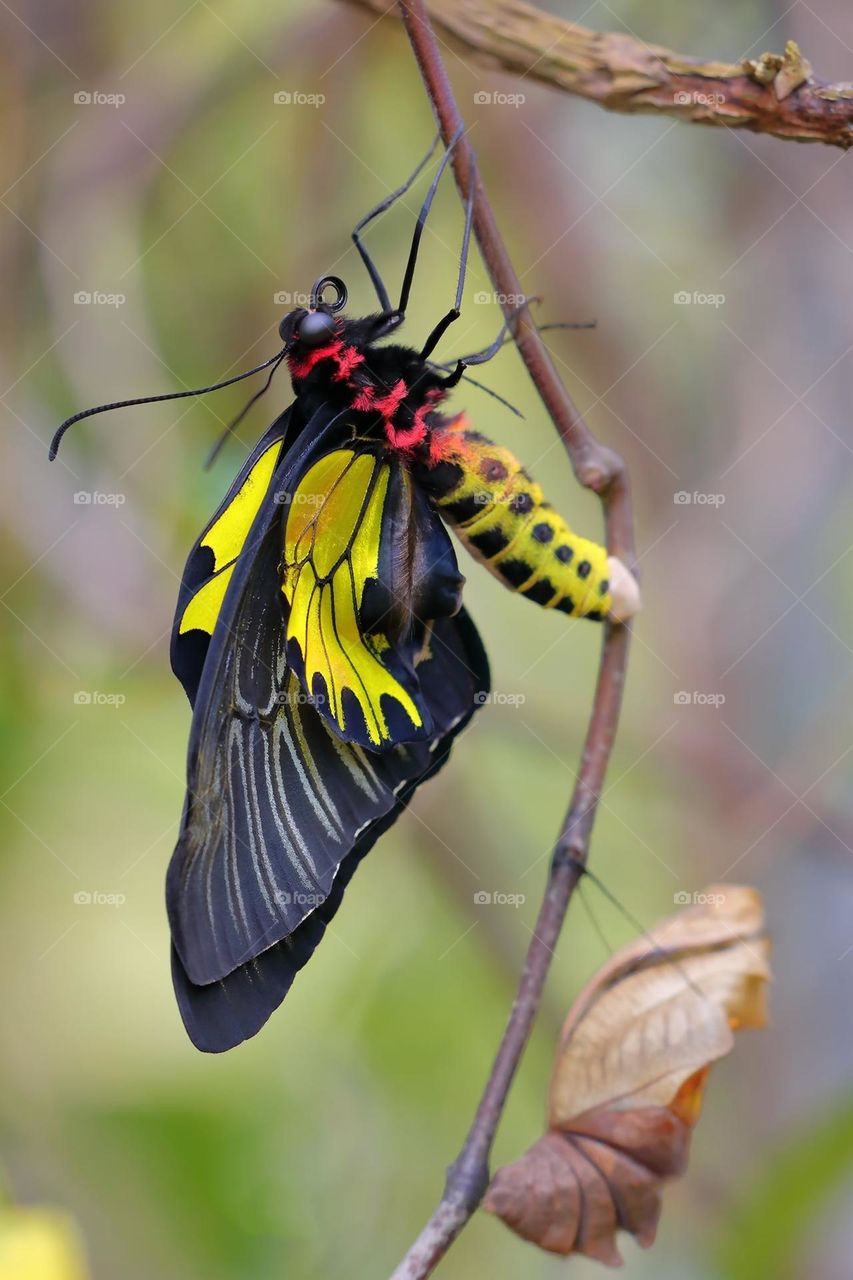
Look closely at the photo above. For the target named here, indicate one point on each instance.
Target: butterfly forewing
(211, 562)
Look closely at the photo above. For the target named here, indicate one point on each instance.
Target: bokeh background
(183, 200)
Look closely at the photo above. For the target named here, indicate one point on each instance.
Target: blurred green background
(318, 1148)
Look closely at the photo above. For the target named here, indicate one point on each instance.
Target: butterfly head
(310, 328)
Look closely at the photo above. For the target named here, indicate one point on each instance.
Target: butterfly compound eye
(316, 328)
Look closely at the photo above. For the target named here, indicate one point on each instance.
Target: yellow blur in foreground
(40, 1244)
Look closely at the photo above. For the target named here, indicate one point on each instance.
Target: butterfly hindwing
(362, 550)
(221, 1014)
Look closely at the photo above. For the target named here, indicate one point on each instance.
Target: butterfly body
(321, 640)
(389, 390)
(498, 511)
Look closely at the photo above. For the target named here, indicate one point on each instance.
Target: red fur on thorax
(348, 358)
(388, 404)
(301, 366)
(406, 437)
(366, 400)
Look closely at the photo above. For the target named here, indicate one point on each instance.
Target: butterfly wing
(221, 1014)
(212, 561)
(280, 806)
(361, 547)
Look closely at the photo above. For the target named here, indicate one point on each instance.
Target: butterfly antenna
(421, 222)
(568, 324)
(235, 422)
(594, 920)
(611, 897)
(655, 949)
(171, 395)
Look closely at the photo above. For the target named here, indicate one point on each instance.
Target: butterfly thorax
(391, 390)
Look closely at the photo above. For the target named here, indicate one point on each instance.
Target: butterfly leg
(456, 376)
(372, 269)
(421, 222)
(489, 352)
(480, 357)
(456, 310)
(391, 317)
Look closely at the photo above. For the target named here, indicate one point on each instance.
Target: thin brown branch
(776, 93)
(602, 470)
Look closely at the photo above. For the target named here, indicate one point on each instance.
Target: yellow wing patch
(225, 538)
(331, 549)
(203, 610)
(226, 535)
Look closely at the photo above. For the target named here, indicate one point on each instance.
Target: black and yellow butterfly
(320, 637)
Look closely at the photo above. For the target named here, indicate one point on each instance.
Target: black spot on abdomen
(541, 592)
(515, 571)
(490, 542)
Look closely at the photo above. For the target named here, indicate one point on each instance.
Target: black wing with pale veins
(280, 809)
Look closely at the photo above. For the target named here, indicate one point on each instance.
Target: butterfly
(321, 639)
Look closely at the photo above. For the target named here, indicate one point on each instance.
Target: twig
(602, 470)
(775, 94)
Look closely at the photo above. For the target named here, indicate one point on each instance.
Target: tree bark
(775, 94)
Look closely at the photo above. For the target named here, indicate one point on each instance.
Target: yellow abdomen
(500, 514)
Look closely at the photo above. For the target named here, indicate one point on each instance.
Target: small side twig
(776, 93)
(603, 471)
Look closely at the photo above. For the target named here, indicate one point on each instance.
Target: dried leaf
(632, 1062)
(795, 70)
